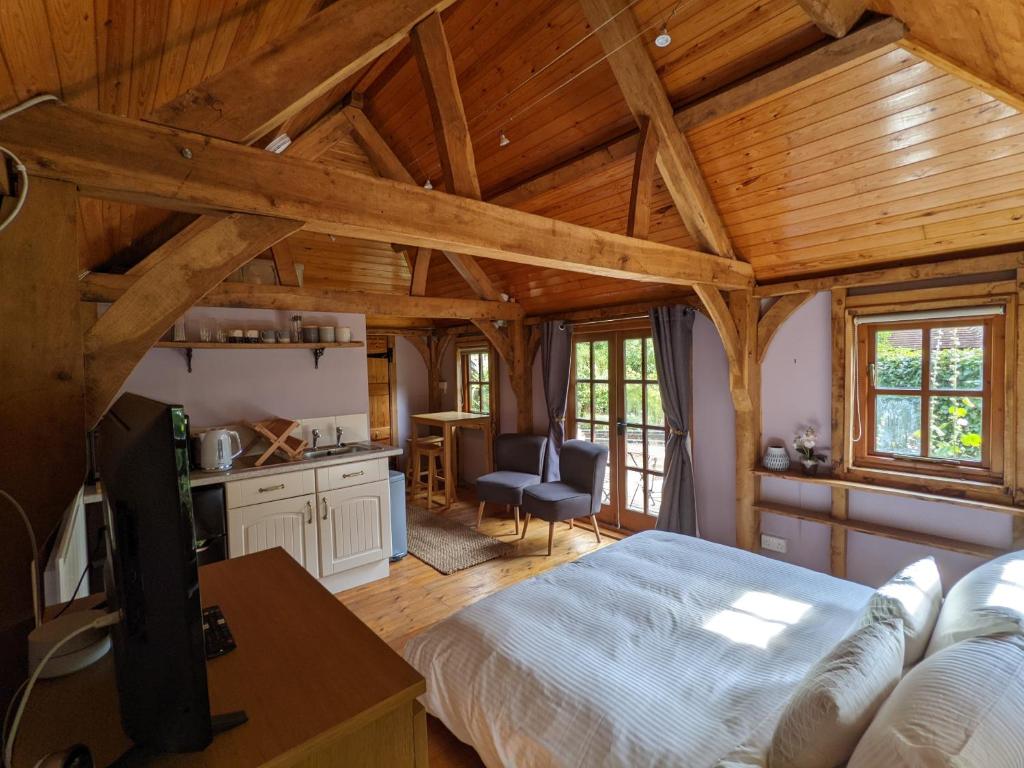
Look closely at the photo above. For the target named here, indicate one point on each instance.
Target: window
(930, 392)
(475, 380)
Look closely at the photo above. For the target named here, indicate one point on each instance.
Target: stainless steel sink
(339, 450)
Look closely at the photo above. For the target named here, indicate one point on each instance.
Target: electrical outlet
(773, 543)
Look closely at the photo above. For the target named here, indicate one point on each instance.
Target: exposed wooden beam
(634, 71)
(284, 263)
(420, 271)
(998, 90)
(1000, 262)
(250, 98)
(773, 319)
(638, 222)
(118, 158)
(765, 85)
(388, 165)
(834, 17)
(841, 391)
(451, 132)
(498, 339)
(139, 317)
(104, 288)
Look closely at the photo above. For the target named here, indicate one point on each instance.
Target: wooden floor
(415, 596)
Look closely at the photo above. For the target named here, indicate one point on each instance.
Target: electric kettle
(218, 448)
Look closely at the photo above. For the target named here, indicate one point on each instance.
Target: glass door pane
(592, 406)
(642, 424)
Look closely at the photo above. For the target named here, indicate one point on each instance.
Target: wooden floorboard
(415, 596)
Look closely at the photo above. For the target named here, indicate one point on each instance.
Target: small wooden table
(319, 687)
(449, 421)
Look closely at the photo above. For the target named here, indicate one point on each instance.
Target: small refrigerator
(209, 513)
(399, 545)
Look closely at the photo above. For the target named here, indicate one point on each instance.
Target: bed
(660, 650)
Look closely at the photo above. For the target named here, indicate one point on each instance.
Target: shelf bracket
(188, 358)
(318, 352)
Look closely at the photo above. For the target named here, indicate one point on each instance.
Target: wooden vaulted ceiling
(885, 159)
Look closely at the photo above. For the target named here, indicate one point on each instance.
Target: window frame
(988, 479)
(462, 353)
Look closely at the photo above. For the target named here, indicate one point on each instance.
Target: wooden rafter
(284, 263)
(451, 134)
(113, 157)
(103, 287)
(388, 165)
(498, 338)
(773, 319)
(834, 17)
(420, 271)
(252, 97)
(150, 305)
(769, 84)
(617, 30)
(638, 222)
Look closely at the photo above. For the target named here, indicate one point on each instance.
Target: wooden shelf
(859, 485)
(260, 345)
(316, 347)
(885, 531)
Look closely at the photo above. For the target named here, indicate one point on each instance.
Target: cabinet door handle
(309, 512)
(354, 474)
(325, 508)
(269, 488)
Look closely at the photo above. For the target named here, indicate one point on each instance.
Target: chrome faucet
(316, 437)
(338, 432)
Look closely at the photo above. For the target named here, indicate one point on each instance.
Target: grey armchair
(578, 494)
(519, 461)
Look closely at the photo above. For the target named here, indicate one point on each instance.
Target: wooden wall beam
(616, 28)
(746, 389)
(42, 411)
(420, 272)
(152, 302)
(770, 83)
(112, 157)
(1001, 262)
(638, 221)
(284, 263)
(250, 98)
(773, 319)
(834, 17)
(105, 288)
(521, 375)
(840, 407)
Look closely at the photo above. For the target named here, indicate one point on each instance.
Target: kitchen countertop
(275, 465)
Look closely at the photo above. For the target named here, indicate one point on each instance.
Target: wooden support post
(420, 270)
(1018, 401)
(746, 386)
(42, 411)
(521, 374)
(433, 349)
(840, 407)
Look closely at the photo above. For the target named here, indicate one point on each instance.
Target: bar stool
(434, 454)
(414, 459)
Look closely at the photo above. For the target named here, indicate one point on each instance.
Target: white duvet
(660, 650)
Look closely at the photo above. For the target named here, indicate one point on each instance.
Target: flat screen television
(152, 576)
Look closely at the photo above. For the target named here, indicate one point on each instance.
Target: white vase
(776, 458)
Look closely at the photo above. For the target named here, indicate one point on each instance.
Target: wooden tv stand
(319, 687)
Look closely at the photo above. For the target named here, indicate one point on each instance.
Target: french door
(615, 401)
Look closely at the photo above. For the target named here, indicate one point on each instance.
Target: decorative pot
(810, 467)
(776, 458)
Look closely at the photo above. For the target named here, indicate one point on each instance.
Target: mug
(310, 334)
(344, 334)
(327, 334)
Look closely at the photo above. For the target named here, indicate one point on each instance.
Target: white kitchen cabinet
(355, 527)
(287, 523)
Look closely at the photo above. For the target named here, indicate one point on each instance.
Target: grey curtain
(672, 329)
(556, 357)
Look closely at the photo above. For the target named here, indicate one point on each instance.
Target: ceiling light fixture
(428, 185)
(664, 39)
(503, 140)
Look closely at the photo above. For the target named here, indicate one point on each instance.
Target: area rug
(448, 546)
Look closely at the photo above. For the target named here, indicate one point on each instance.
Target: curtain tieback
(677, 432)
(561, 420)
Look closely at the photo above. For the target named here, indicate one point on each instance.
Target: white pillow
(835, 703)
(914, 595)
(987, 601)
(960, 708)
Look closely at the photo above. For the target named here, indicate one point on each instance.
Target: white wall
(228, 386)
(411, 388)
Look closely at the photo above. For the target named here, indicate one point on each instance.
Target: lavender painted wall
(228, 386)
(411, 394)
(796, 390)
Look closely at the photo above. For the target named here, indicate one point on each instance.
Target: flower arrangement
(804, 443)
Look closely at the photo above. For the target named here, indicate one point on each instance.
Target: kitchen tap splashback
(356, 426)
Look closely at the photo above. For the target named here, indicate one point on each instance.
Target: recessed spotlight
(664, 39)
(428, 184)
(503, 140)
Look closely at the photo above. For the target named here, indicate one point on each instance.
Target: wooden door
(287, 523)
(380, 369)
(355, 527)
(614, 401)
